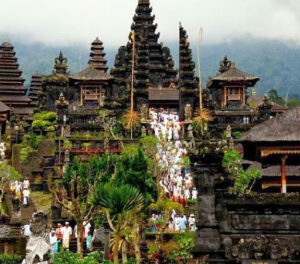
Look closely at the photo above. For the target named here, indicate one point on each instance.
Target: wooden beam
(81, 99)
(283, 174)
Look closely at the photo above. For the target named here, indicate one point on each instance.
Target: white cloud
(61, 22)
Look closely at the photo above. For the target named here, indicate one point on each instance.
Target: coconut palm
(118, 203)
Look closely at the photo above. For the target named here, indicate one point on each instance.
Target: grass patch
(42, 201)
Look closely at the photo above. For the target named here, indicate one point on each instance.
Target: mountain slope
(276, 63)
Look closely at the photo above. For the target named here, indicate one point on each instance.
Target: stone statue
(144, 131)
(144, 112)
(228, 132)
(190, 132)
(224, 64)
(67, 130)
(38, 244)
(188, 113)
(67, 156)
(16, 204)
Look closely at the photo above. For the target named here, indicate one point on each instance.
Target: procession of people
(173, 161)
(21, 190)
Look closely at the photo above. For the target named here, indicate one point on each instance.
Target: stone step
(27, 212)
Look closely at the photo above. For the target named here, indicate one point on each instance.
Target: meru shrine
(226, 158)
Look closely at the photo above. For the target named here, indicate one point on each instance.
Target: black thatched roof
(91, 74)
(163, 94)
(258, 100)
(285, 127)
(234, 74)
(276, 171)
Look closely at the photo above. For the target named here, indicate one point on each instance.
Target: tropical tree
(243, 180)
(119, 203)
(75, 189)
(274, 97)
(133, 170)
(7, 174)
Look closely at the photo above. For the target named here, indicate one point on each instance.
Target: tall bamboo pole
(132, 80)
(199, 70)
(132, 69)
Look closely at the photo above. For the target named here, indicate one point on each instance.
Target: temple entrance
(164, 99)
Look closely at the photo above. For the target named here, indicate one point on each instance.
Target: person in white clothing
(194, 194)
(26, 184)
(87, 227)
(66, 233)
(176, 224)
(26, 229)
(187, 194)
(26, 194)
(52, 240)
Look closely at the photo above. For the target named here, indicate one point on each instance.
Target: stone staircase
(21, 217)
(73, 247)
(26, 212)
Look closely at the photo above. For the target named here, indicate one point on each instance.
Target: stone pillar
(208, 236)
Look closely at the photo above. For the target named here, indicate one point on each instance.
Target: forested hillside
(275, 62)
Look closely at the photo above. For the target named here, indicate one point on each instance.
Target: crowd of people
(172, 159)
(177, 223)
(21, 190)
(61, 236)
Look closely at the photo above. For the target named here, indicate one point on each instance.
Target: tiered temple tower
(92, 82)
(154, 66)
(229, 92)
(36, 89)
(187, 81)
(57, 83)
(97, 60)
(12, 89)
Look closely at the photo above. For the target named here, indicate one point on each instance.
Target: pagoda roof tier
(163, 94)
(16, 99)
(11, 78)
(284, 127)
(234, 74)
(10, 71)
(23, 110)
(235, 112)
(91, 74)
(11, 86)
(97, 59)
(3, 107)
(6, 44)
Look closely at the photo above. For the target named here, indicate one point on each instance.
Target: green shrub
(10, 259)
(237, 134)
(34, 141)
(25, 153)
(67, 257)
(186, 242)
(44, 121)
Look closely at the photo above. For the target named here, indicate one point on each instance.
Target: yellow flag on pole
(133, 35)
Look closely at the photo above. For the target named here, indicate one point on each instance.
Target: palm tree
(118, 203)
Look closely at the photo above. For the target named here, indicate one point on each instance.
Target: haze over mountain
(276, 63)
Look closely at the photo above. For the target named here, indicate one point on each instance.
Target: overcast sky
(64, 22)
